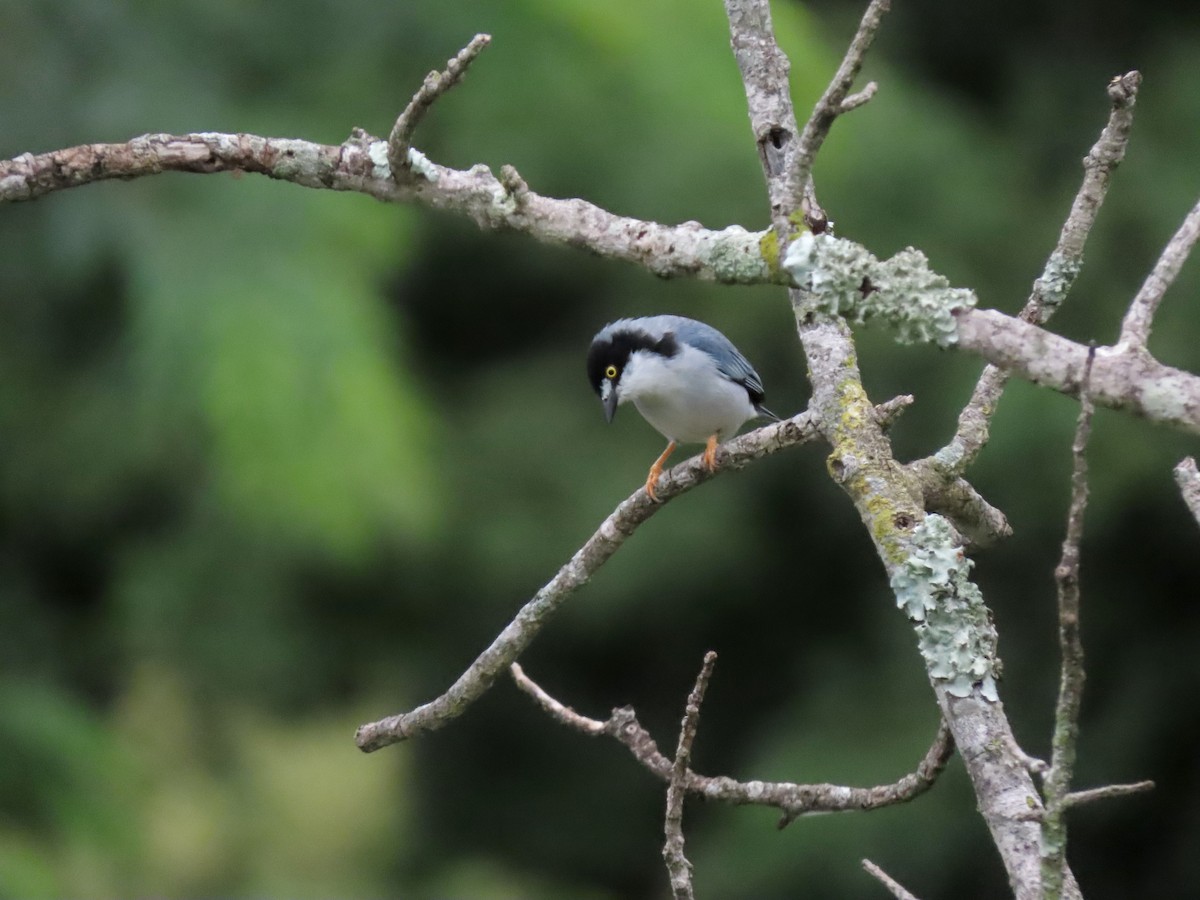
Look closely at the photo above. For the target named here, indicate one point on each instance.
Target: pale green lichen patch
(377, 152)
(418, 162)
(954, 628)
(844, 279)
(734, 261)
(421, 165)
(1054, 283)
(950, 457)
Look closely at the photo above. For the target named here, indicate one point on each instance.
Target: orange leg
(656, 471)
(710, 453)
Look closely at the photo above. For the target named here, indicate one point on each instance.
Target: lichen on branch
(843, 278)
(954, 629)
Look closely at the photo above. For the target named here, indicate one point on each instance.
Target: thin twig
(1109, 791)
(1052, 286)
(896, 888)
(1056, 280)
(889, 411)
(1188, 479)
(792, 799)
(612, 533)
(679, 869)
(1135, 329)
(855, 100)
(1057, 782)
(1032, 764)
(435, 84)
(833, 102)
(552, 707)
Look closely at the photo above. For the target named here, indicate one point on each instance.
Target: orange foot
(656, 471)
(710, 454)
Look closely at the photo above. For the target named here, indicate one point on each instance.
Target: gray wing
(730, 361)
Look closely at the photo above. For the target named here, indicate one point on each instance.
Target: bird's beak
(608, 396)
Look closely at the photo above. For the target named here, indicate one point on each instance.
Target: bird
(686, 379)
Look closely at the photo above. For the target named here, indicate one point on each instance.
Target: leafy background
(274, 462)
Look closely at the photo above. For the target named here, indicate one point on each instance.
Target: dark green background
(275, 462)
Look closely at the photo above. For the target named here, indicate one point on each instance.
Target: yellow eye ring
(610, 372)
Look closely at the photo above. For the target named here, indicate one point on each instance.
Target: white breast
(685, 397)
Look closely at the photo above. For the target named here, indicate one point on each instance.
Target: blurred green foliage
(274, 462)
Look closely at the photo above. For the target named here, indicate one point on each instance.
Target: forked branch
(1050, 288)
(792, 799)
(435, 84)
(679, 869)
(836, 100)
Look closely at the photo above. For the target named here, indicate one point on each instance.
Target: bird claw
(710, 454)
(656, 472)
(651, 484)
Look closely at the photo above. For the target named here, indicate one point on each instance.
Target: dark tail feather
(765, 413)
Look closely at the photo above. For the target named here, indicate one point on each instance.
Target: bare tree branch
(679, 869)
(1057, 781)
(517, 635)
(1126, 379)
(1135, 329)
(1051, 287)
(435, 84)
(894, 887)
(1108, 792)
(732, 255)
(1188, 479)
(564, 714)
(792, 799)
(761, 62)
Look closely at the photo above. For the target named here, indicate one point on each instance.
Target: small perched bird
(685, 378)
